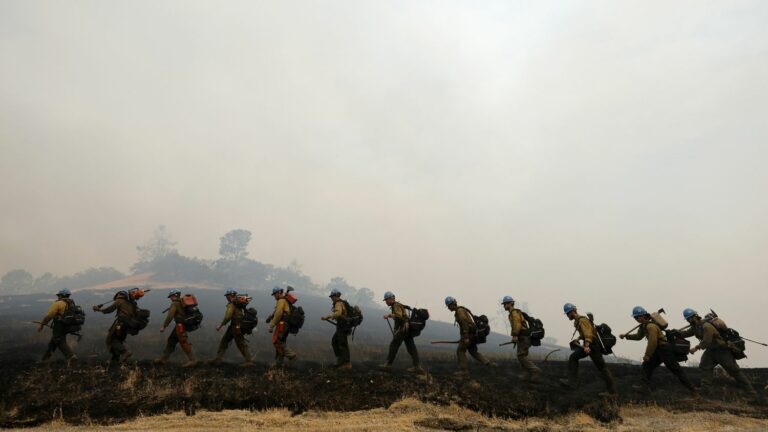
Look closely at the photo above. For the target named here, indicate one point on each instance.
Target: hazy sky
(603, 153)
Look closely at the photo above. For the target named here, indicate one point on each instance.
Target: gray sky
(603, 153)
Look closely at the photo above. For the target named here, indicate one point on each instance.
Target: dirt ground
(147, 397)
(411, 414)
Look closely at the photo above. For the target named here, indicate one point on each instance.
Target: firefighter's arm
(55, 309)
(516, 321)
(690, 331)
(585, 328)
(338, 311)
(709, 335)
(653, 342)
(639, 335)
(169, 316)
(227, 315)
(278, 315)
(111, 308)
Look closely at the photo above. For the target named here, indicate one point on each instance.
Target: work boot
(461, 373)
(416, 370)
(46, 358)
(71, 360)
(162, 359)
(567, 383)
(385, 367)
(291, 356)
(533, 377)
(192, 360)
(346, 366)
(492, 364)
(124, 357)
(246, 364)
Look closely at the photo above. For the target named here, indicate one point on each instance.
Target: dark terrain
(35, 394)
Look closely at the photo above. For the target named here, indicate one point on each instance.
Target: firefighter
(589, 348)
(339, 341)
(657, 351)
(279, 327)
(400, 335)
(178, 335)
(521, 336)
(233, 316)
(59, 336)
(125, 309)
(467, 330)
(716, 350)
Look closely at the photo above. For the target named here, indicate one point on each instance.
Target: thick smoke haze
(606, 154)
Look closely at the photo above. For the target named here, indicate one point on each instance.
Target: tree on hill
(16, 281)
(234, 245)
(160, 245)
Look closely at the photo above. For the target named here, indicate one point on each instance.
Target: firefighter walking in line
(279, 328)
(233, 316)
(179, 334)
(521, 336)
(339, 341)
(125, 309)
(716, 350)
(59, 336)
(401, 334)
(657, 351)
(467, 343)
(590, 348)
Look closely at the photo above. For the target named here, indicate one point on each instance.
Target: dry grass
(410, 415)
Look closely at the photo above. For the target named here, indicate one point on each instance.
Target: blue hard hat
(276, 289)
(689, 313)
(389, 295)
(230, 292)
(64, 292)
(172, 292)
(335, 292)
(507, 299)
(638, 311)
(450, 300)
(568, 308)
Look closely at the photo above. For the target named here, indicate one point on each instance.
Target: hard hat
(689, 313)
(230, 292)
(507, 299)
(276, 289)
(568, 308)
(638, 311)
(335, 292)
(174, 292)
(64, 292)
(120, 294)
(450, 300)
(389, 295)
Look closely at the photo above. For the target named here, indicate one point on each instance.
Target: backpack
(192, 315)
(606, 338)
(482, 327)
(295, 319)
(735, 343)
(353, 318)
(73, 317)
(250, 321)
(535, 327)
(680, 346)
(417, 321)
(138, 321)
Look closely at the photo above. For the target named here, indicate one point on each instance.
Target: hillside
(91, 394)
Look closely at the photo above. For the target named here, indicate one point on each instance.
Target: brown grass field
(411, 414)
